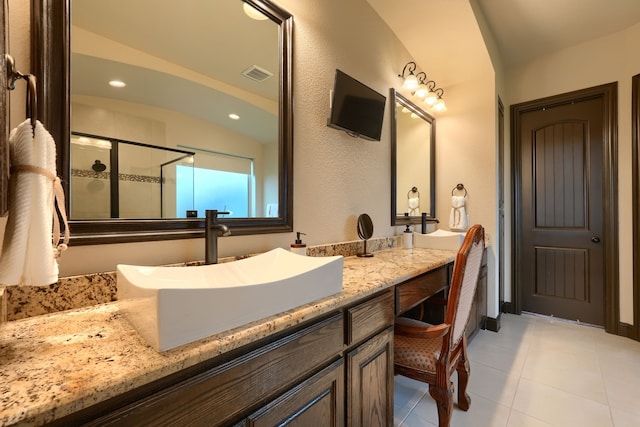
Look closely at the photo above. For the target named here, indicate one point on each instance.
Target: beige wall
(609, 59)
(336, 177)
(466, 153)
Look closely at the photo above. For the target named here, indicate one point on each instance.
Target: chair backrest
(464, 281)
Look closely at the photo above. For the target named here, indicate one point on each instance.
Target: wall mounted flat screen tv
(356, 108)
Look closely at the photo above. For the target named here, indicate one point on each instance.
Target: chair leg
(444, 401)
(463, 370)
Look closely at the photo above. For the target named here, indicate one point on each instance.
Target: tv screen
(356, 108)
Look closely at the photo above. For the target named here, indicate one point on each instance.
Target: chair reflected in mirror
(431, 353)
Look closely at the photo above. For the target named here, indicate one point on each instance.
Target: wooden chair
(430, 353)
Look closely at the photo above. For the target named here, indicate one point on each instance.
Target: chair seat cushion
(416, 353)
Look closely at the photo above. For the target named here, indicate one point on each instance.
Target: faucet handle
(213, 213)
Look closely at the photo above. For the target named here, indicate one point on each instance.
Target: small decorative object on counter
(298, 247)
(407, 238)
(365, 231)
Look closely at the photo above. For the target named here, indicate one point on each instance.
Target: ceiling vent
(256, 73)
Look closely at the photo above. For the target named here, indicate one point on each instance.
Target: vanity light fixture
(410, 81)
(253, 13)
(422, 88)
(234, 116)
(117, 83)
(435, 101)
(439, 105)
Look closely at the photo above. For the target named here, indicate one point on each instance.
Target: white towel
(414, 206)
(28, 255)
(458, 219)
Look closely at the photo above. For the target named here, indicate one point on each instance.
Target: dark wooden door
(562, 256)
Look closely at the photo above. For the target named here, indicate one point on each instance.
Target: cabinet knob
(595, 239)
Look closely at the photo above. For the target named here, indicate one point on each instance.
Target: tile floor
(538, 372)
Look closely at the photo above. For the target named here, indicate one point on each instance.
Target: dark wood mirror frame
(431, 215)
(50, 59)
(4, 115)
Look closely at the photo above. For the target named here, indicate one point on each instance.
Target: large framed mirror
(204, 120)
(413, 141)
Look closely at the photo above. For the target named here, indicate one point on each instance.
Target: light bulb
(439, 105)
(431, 98)
(411, 82)
(253, 13)
(422, 91)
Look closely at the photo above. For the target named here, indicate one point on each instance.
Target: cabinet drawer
(369, 317)
(320, 398)
(225, 393)
(414, 291)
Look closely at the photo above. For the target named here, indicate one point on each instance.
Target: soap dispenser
(298, 247)
(407, 238)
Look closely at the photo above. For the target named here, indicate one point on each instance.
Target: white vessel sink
(439, 239)
(171, 306)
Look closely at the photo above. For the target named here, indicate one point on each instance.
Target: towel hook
(32, 93)
(413, 190)
(459, 187)
(32, 99)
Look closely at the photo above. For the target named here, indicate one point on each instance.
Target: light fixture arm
(421, 87)
(410, 66)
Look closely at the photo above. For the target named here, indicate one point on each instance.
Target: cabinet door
(318, 401)
(370, 382)
(478, 317)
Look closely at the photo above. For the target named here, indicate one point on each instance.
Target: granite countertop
(54, 365)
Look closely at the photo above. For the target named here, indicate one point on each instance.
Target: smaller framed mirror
(413, 140)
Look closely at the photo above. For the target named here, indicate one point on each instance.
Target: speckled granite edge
(75, 292)
(60, 363)
(3, 304)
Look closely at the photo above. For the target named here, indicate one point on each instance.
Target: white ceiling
(211, 39)
(526, 29)
(446, 40)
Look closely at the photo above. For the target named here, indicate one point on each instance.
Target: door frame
(634, 331)
(609, 94)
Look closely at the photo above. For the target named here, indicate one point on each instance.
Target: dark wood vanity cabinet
(369, 360)
(316, 401)
(478, 317)
(333, 371)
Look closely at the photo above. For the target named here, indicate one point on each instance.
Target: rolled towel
(414, 206)
(458, 219)
(29, 257)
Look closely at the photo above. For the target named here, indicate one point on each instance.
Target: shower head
(98, 166)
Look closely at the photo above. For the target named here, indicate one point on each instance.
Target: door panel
(562, 211)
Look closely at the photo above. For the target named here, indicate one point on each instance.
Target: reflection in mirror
(205, 80)
(412, 162)
(112, 178)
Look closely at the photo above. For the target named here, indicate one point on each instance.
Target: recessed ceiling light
(117, 83)
(234, 116)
